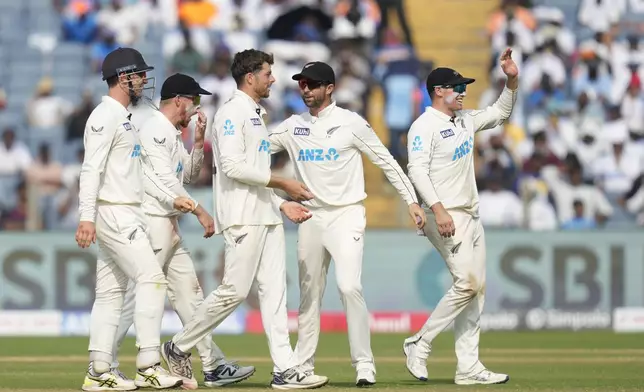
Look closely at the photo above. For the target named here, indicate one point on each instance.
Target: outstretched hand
(508, 65)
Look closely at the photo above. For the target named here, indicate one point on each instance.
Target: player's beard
(264, 92)
(314, 102)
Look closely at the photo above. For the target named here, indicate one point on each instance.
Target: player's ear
(330, 88)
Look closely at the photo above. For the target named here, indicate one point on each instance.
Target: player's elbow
(231, 168)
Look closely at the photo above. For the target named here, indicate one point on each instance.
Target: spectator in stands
(66, 202)
(14, 155)
(592, 72)
(632, 109)
(15, 219)
(188, 60)
(399, 8)
(580, 221)
(510, 10)
(128, 20)
(47, 110)
(600, 15)
(544, 76)
(355, 19)
(79, 23)
(616, 171)
(78, 119)
(397, 71)
(551, 29)
(540, 213)
(197, 13)
(566, 186)
(45, 175)
(499, 207)
(496, 159)
(100, 49)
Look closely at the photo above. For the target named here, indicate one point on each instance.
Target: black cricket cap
(317, 71)
(445, 77)
(180, 84)
(122, 60)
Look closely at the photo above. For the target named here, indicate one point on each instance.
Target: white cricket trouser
(338, 233)
(184, 290)
(125, 254)
(464, 255)
(251, 252)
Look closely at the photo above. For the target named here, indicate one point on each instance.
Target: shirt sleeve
(496, 114)
(192, 164)
(154, 186)
(229, 138)
(98, 139)
(420, 147)
(278, 136)
(276, 200)
(368, 142)
(157, 159)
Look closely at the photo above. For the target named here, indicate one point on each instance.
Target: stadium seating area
(571, 156)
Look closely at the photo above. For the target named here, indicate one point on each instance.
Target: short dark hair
(112, 81)
(248, 61)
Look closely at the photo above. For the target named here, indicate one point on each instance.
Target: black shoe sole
(362, 383)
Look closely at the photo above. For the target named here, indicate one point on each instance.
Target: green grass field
(536, 361)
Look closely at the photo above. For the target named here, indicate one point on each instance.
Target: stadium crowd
(571, 157)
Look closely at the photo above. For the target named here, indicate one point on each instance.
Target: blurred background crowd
(570, 158)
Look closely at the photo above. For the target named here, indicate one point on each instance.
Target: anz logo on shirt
(265, 146)
(136, 152)
(465, 148)
(317, 155)
(229, 128)
(417, 144)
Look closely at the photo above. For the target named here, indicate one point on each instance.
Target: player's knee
(108, 294)
(467, 288)
(231, 295)
(350, 289)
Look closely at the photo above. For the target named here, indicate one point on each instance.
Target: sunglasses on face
(195, 100)
(458, 88)
(303, 83)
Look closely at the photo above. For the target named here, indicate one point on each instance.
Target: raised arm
(193, 161)
(367, 141)
(501, 110)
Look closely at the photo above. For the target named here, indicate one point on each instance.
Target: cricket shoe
(179, 365)
(107, 381)
(483, 377)
(227, 373)
(156, 377)
(365, 378)
(417, 352)
(295, 378)
(120, 375)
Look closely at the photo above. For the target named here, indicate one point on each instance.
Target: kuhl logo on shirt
(447, 133)
(256, 121)
(465, 148)
(301, 131)
(127, 126)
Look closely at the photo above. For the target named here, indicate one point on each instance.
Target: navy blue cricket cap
(316, 71)
(181, 84)
(445, 77)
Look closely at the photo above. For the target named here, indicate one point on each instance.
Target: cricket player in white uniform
(441, 166)
(326, 145)
(248, 216)
(113, 181)
(161, 140)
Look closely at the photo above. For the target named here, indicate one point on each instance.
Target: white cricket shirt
(113, 170)
(326, 151)
(242, 160)
(441, 152)
(169, 160)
